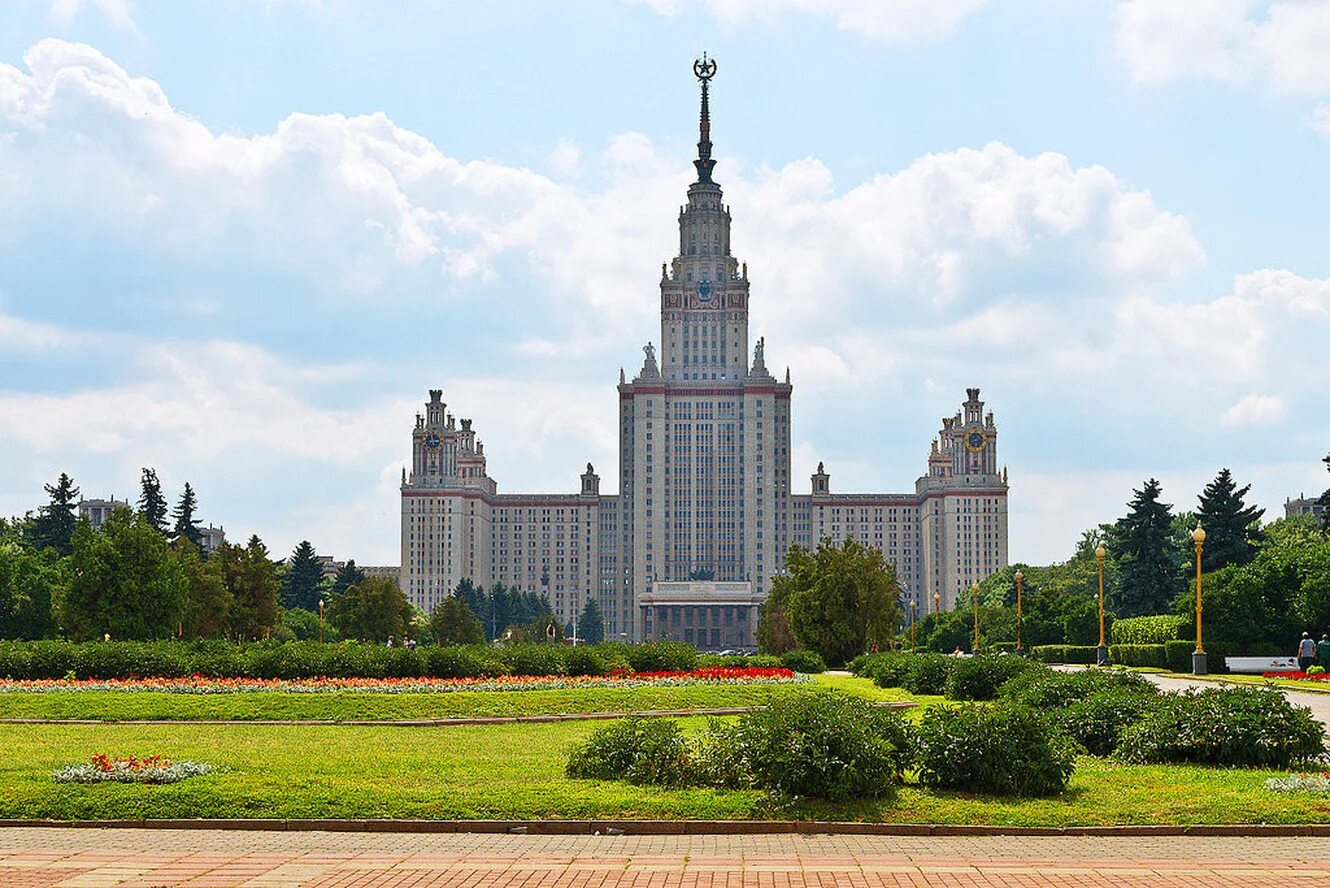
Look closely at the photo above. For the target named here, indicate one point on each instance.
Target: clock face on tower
(704, 291)
(975, 441)
(432, 441)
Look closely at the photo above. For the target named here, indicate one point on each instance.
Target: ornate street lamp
(1101, 652)
(937, 602)
(320, 621)
(974, 596)
(1020, 578)
(1198, 664)
(912, 606)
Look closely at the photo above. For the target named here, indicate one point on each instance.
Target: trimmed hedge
(1177, 655)
(981, 677)
(1152, 655)
(1158, 629)
(1064, 653)
(809, 662)
(307, 659)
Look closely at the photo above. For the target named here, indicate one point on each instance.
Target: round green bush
(809, 662)
(1052, 689)
(981, 677)
(1097, 722)
(1001, 749)
(885, 670)
(1233, 727)
(928, 673)
(827, 746)
(642, 751)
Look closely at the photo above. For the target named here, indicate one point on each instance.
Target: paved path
(39, 857)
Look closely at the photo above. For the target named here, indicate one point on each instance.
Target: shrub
(1316, 670)
(657, 656)
(463, 662)
(1097, 722)
(764, 660)
(642, 751)
(886, 670)
(1138, 655)
(585, 660)
(1007, 750)
(1159, 629)
(1235, 727)
(534, 659)
(928, 673)
(718, 759)
(828, 746)
(1064, 653)
(809, 662)
(1178, 655)
(1044, 689)
(980, 677)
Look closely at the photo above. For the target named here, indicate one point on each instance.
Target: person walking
(1323, 650)
(1306, 652)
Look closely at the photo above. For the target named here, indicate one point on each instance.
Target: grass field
(516, 771)
(356, 706)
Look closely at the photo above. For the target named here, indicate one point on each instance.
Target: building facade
(1304, 505)
(705, 492)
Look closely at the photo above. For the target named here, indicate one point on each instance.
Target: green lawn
(516, 771)
(344, 706)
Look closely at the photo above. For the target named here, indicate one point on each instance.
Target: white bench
(1261, 664)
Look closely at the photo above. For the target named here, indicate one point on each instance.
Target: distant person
(390, 640)
(1306, 652)
(1323, 649)
(958, 652)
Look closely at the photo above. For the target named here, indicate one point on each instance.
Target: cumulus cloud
(1253, 410)
(1042, 278)
(893, 21)
(1281, 45)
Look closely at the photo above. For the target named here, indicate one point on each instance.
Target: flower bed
(102, 768)
(1317, 783)
(1299, 676)
(202, 684)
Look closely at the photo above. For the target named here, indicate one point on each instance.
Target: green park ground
(516, 770)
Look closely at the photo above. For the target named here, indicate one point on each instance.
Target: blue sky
(239, 239)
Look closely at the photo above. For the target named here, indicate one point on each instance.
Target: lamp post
(1020, 578)
(937, 602)
(974, 596)
(320, 621)
(1198, 664)
(1101, 652)
(912, 606)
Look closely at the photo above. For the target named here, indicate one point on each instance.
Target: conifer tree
(1146, 555)
(347, 576)
(303, 580)
(1325, 500)
(591, 623)
(152, 505)
(251, 579)
(186, 525)
(53, 528)
(1232, 528)
(453, 622)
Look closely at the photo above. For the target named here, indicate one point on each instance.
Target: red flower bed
(202, 684)
(1302, 676)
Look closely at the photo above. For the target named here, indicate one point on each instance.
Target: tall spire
(704, 69)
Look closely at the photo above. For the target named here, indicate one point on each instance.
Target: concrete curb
(426, 722)
(684, 827)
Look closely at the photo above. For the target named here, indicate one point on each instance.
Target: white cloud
(893, 21)
(118, 12)
(1255, 410)
(1282, 46)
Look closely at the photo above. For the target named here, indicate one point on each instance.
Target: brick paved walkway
(43, 857)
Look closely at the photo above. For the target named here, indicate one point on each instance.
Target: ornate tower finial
(704, 69)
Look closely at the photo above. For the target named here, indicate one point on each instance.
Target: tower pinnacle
(704, 69)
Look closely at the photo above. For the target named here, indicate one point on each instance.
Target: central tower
(704, 433)
(703, 291)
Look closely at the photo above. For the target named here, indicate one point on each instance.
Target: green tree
(251, 579)
(1324, 501)
(473, 596)
(152, 504)
(347, 576)
(1146, 555)
(53, 528)
(302, 583)
(186, 525)
(125, 582)
(1232, 528)
(839, 600)
(304, 625)
(31, 583)
(773, 628)
(452, 622)
(373, 609)
(207, 600)
(591, 623)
